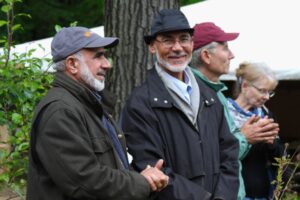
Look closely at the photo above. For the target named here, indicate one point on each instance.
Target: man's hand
(156, 178)
(258, 129)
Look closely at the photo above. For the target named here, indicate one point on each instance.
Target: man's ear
(151, 47)
(72, 65)
(205, 56)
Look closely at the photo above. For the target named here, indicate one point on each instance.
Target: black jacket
(258, 170)
(202, 164)
(71, 155)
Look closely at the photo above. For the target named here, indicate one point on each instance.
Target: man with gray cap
(211, 59)
(174, 117)
(76, 149)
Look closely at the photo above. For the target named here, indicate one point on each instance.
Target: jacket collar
(158, 93)
(84, 94)
(160, 97)
(216, 86)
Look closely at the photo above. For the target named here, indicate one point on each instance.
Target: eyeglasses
(263, 91)
(170, 42)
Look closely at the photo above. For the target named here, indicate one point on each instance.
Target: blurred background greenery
(46, 14)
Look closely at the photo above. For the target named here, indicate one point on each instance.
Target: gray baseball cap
(72, 39)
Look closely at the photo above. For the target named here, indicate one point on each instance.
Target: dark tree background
(45, 14)
(130, 20)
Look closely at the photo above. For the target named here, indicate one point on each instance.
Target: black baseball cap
(168, 20)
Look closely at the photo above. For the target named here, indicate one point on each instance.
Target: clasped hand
(258, 129)
(155, 177)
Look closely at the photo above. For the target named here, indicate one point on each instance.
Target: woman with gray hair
(255, 86)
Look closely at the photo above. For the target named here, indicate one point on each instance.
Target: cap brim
(106, 42)
(149, 38)
(227, 37)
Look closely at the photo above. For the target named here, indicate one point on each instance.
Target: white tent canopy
(268, 32)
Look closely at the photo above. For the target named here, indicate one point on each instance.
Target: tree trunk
(130, 20)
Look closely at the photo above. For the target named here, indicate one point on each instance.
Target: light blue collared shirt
(185, 94)
(182, 89)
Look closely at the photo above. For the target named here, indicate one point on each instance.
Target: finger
(267, 134)
(148, 166)
(256, 118)
(252, 120)
(156, 181)
(159, 164)
(165, 181)
(269, 127)
(264, 122)
(266, 117)
(151, 183)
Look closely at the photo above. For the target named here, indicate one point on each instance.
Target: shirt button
(120, 136)
(165, 101)
(155, 99)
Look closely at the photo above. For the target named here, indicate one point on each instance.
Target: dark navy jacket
(202, 164)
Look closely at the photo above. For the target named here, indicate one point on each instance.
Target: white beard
(89, 79)
(170, 67)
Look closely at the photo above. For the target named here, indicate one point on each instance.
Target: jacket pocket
(101, 145)
(103, 150)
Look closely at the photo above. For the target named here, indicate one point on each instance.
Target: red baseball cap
(207, 32)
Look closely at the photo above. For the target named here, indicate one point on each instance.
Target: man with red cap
(211, 59)
(174, 117)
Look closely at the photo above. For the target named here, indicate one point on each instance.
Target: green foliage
(58, 27)
(22, 85)
(284, 190)
(187, 2)
(88, 13)
(48, 13)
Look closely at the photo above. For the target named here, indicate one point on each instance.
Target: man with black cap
(76, 149)
(174, 117)
(211, 59)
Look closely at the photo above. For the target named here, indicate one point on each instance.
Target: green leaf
(4, 177)
(5, 8)
(19, 172)
(23, 147)
(16, 27)
(73, 24)
(23, 15)
(57, 28)
(3, 22)
(2, 41)
(14, 155)
(16, 118)
(9, 1)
